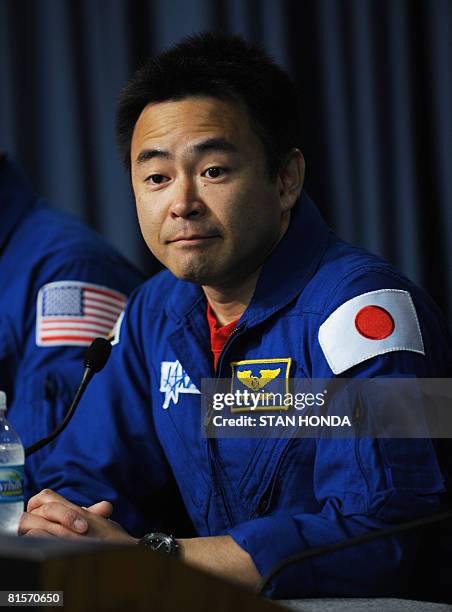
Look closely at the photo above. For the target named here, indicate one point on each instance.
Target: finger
(46, 496)
(71, 518)
(35, 523)
(102, 508)
(38, 533)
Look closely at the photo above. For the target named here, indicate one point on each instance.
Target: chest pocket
(251, 485)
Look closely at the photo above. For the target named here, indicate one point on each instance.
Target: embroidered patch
(374, 322)
(368, 325)
(173, 381)
(116, 332)
(267, 377)
(73, 313)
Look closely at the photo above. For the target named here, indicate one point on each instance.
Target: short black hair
(220, 66)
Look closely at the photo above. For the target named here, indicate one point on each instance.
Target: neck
(229, 303)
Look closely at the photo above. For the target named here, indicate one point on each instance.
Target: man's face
(207, 207)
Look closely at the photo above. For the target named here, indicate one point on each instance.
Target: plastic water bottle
(11, 474)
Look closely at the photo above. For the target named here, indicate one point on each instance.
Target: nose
(186, 201)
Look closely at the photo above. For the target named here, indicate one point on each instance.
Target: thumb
(102, 508)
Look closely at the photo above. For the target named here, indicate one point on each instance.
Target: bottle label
(11, 484)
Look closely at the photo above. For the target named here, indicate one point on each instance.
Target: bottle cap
(2, 401)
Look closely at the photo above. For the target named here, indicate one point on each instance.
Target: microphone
(96, 357)
(424, 521)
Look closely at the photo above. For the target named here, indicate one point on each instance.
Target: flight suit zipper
(237, 331)
(210, 450)
(265, 499)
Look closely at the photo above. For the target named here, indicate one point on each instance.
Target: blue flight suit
(39, 245)
(139, 425)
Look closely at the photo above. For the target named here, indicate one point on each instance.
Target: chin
(198, 275)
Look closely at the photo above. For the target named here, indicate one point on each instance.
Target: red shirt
(218, 334)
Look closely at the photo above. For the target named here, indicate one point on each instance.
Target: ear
(291, 179)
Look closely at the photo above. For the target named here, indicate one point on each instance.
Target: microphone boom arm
(95, 358)
(87, 375)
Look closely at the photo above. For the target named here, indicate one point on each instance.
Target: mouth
(192, 240)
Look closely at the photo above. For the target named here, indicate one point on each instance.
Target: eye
(156, 179)
(214, 172)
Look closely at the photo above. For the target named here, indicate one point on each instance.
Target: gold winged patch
(255, 383)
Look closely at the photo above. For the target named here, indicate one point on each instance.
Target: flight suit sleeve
(47, 376)
(360, 489)
(110, 450)
(361, 483)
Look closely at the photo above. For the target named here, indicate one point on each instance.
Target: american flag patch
(74, 313)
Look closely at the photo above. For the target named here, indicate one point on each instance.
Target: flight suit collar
(292, 263)
(284, 274)
(16, 196)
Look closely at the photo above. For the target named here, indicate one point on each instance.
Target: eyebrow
(215, 144)
(148, 154)
(211, 144)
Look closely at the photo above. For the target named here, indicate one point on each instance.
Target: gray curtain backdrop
(375, 78)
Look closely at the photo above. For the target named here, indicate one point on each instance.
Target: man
(210, 133)
(61, 286)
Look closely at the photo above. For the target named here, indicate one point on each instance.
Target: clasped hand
(50, 514)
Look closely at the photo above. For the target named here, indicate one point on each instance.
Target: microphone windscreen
(97, 354)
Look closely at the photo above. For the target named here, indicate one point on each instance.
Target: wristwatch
(161, 542)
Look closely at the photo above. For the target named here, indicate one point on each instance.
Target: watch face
(160, 542)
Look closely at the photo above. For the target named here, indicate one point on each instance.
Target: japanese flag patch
(73, 313)
(368, 325)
